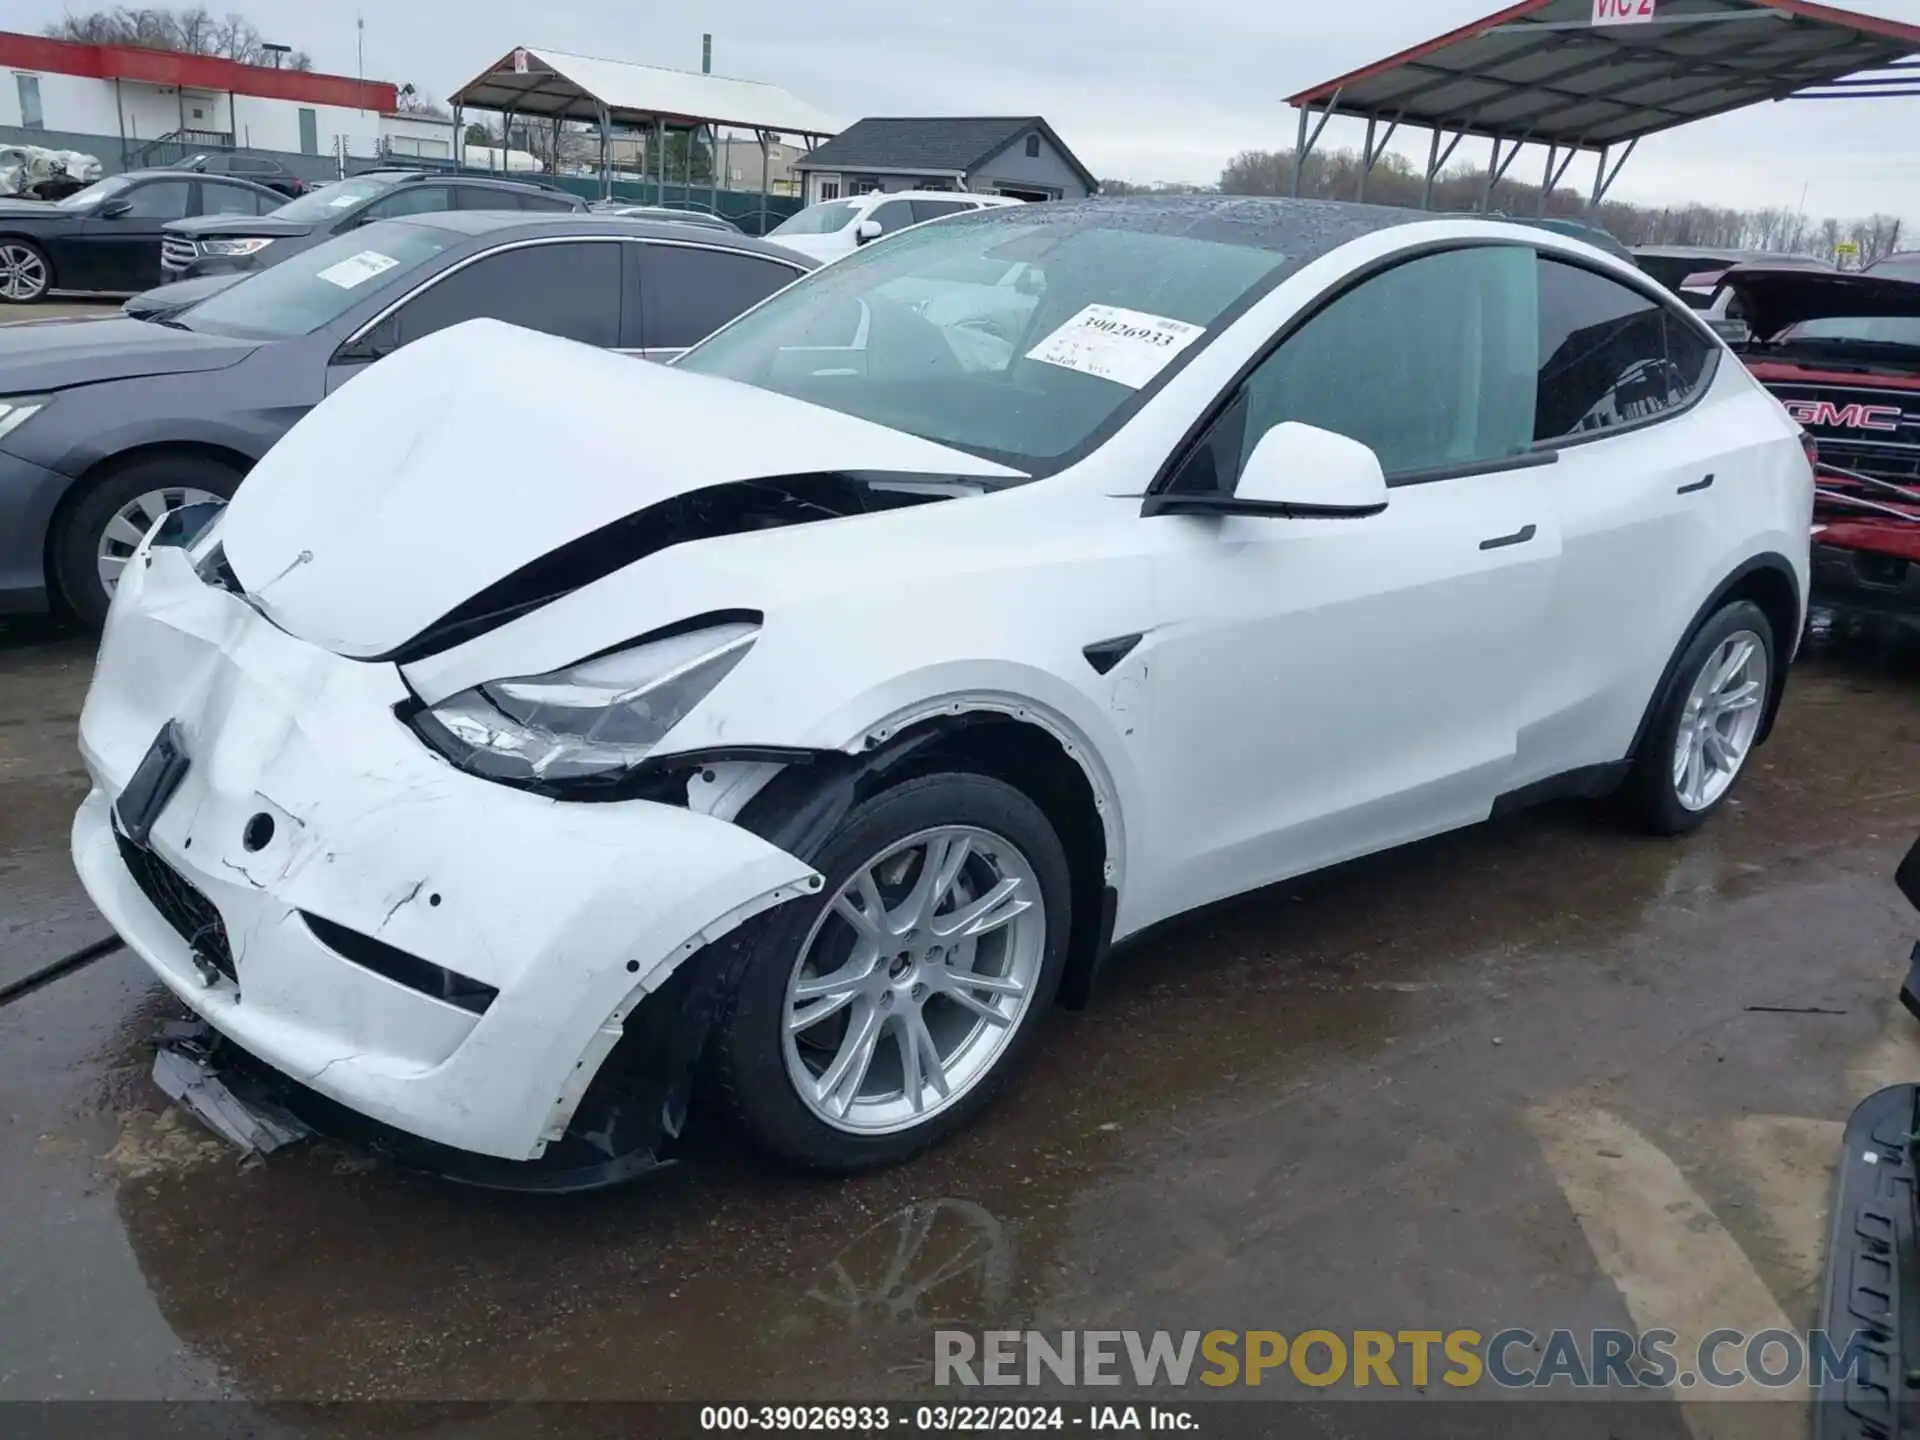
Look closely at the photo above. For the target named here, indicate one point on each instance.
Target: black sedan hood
(62, 354)
(207, 227)
(1776, 296)
(39, 209)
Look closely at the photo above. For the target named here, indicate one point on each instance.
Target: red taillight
(1812, 447)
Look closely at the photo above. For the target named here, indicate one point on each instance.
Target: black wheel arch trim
(1784, 645)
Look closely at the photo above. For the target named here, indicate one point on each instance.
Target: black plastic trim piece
(403, 968)
(1499, 464)
(1870, 1308)
(1087, 952)
(1589, 782)
(1188, 504)
(1103, 655)
(1908, 876)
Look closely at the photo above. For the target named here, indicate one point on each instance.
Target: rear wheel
(102, 531)
(875, 1019)
(1707, 722)
(25, 274)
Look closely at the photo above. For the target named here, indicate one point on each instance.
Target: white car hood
(483, 447)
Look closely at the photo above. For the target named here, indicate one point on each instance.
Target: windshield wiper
(165, 320)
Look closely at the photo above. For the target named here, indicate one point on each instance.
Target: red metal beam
(1833, 15)
(193, 72)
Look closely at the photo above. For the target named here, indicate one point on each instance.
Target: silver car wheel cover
(23, 274)
(1720, 721)
(132, 521)
(913, 980)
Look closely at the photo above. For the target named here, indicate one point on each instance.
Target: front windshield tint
(314, 288)
(93, 194)
(1020, 342)
(1864, 329)
(329, 200)
(817, 219)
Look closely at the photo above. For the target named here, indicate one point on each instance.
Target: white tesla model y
(539, 730)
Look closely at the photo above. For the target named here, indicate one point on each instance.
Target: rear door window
(219, 198)
(571, 289)
(409, 200)
(687, 293)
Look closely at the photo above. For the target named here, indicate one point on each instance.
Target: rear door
(686, 292)
(1635, 494)
(121, 254)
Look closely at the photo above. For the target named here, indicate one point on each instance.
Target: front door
(121, 253)
(1334, 687)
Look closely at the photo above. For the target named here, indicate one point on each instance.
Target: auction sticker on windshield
(358, 269)
(1128, 347)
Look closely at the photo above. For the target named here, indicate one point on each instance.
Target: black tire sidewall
(1655, 796)
(46, 266)
(76, 546)
(751, 1060)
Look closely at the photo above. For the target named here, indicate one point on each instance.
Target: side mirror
(1296, 472)
(380, 341)
(114, 209)
(866, 230)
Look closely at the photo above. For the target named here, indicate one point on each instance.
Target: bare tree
(1335, 174)
(193, 31)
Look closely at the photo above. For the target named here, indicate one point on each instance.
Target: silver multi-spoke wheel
(912, 981)
(1721, 719)
(130, 524)
(23, 272)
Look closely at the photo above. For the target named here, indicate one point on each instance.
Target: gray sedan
(105, 425)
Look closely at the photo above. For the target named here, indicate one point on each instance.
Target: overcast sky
(1141, 89)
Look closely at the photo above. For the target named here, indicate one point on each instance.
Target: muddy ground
(1544, 1073)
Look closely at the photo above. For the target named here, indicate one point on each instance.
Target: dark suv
(227, 244)
(257, 168)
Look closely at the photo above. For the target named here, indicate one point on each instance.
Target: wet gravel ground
(1437, 1089)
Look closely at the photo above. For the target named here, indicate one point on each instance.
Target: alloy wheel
(23, 273)
(1721, 719)
(130, 524)
(914, 978)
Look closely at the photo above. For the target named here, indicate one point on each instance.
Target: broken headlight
(596, 718)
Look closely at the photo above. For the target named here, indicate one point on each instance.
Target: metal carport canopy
(554, 84)
(1553, 73)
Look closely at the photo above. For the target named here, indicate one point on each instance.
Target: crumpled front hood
(483, 448)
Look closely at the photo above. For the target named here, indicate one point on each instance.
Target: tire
(760, 1069)
(1660, 794)
(26, 275)
(84, 545)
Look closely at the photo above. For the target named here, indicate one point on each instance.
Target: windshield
(1020, 342)
(93, 194)
(1862, 329)
(329, 200)
(818, 219)
(314, 288)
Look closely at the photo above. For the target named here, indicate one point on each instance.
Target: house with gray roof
(1019, 156)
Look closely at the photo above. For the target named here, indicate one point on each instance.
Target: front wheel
(1707, 721)
(25, 274)
(101, 533)
(877, 1018)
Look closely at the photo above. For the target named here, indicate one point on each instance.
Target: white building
(139, 96)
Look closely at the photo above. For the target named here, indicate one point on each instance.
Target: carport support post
(606, 141)
(766, 178)
(506, 143)
(1603, 178)
(1546, 180)
(1366, 158)
(1433, 167)
(459, 134)
(660, 148)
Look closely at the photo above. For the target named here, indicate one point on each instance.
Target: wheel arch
(108, 465)
(1770, 582)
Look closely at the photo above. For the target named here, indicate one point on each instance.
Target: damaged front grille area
(401, 967)
(191, 914)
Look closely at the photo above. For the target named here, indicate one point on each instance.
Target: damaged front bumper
(447, 959)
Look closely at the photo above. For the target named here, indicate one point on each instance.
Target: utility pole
(360, 48)
(706, 54)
